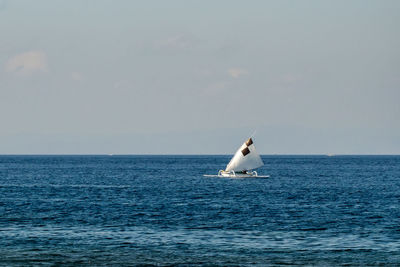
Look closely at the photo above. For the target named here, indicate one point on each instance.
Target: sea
(160, 210)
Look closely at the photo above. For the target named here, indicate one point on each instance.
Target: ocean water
(160, 210)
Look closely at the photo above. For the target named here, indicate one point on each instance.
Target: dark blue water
(132, 210)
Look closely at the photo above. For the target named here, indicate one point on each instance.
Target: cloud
(291, 78)
(76, 76)
(181, 42)
(217, 88)
(237, 72)
(27, 63)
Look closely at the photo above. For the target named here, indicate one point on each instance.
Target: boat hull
(236, 176)
(232, 174)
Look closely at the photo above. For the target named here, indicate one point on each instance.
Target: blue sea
(160, 210)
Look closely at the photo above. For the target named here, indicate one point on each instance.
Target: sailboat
(243, 163)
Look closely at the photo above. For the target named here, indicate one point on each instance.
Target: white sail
(245, 159)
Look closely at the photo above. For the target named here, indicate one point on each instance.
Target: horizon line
(190, 154)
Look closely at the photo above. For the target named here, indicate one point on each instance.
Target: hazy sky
(182, 77)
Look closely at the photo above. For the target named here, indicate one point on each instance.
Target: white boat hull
(232, 174)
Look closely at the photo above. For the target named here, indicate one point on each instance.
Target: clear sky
(199, 77)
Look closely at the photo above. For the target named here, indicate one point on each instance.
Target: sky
(199, 77)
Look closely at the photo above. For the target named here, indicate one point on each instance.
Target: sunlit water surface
(160, 210)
